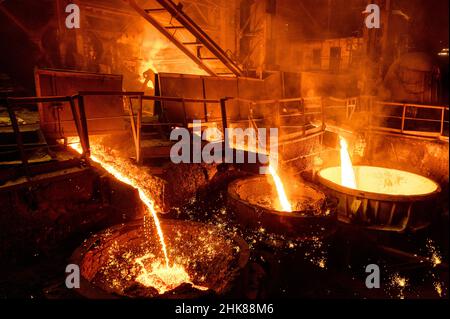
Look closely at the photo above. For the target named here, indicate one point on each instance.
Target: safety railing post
(322, 105)
(84, 138)
(138, 132)
(76, 117)
(403, 118)
(223, 111)
(185, 121)
(18, 136)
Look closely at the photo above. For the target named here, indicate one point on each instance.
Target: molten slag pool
(127, 261)
(381, 198)
(257, 204)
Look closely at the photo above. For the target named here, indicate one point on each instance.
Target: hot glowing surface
(163, 276)
(347, 174)
(118, 168)
(382, 180)
(285, 204)
(161, 55)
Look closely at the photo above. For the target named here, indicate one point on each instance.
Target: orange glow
(119, 171)
(381, 180)
(400, 283)
(435, 258)
(160, 55)
(285, 204)
(163, 276)
(347, 174)
(438, 287)
(144, 67)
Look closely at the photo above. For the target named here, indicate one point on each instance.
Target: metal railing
(423, 120)
(77, 107)
(304, 108)
(11, 104)
(136, 127)
(429, 121)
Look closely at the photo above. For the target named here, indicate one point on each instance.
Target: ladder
(170, 20)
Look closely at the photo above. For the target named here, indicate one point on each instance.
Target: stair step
(187, 25)
(150, 135)
(31, 136)
(155, 152)
(155, 10)
(174, 27)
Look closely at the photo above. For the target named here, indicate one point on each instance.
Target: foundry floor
(272, 272)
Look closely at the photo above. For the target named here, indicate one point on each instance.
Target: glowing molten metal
(162, 276)
(347, 174)
(376, 180)
(285, 204)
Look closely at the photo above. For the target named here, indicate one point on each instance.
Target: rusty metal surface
(251, 89)
(56, 118)
(204, 87)
(221, 274)
(217, 88)
(318, 219)
(185, 86)
(215, 61)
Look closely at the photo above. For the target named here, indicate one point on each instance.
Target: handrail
(79, 115)
(177, 99)
(201, 35)
(259, 102)
(404, 118)
(43, 99)
(80, 119)
(420, 106)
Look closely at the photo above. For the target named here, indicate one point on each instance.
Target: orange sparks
(347, 173)
(119, 171)
(285, 204)
(435, 258)
(438, 287)
(162, 276)
(400, 283)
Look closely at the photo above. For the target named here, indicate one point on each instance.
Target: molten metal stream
(285, 204)
(347, 174)
(161, 276)
(142, 194)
